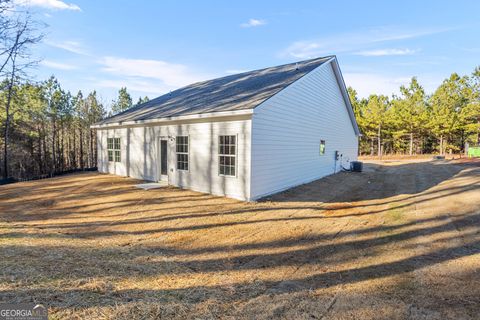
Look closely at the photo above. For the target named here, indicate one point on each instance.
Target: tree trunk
(5, 140)
(441, 145)
(45, 150)
(7, 122)
(359, 147)
(379, 141)
(462, 142)
(54, 151)
(81, 148)
(62, 149)
(411, 143)
(39, 157)
(67, 153)
(31, 164)
(74, 153)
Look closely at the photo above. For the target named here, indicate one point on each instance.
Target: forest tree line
(49, 128)
(413, 122)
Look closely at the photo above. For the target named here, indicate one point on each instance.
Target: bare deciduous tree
(18, 34)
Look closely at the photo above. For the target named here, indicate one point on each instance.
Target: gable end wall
(287, 129)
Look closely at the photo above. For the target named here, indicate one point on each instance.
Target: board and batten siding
(140, 155)
(288, 127)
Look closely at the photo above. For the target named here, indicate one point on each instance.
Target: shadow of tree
(184, 247)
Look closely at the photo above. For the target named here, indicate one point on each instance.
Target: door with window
(163, 164)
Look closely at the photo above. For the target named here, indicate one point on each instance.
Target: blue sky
(152, 47)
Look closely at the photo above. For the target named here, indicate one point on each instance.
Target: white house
(244, 136)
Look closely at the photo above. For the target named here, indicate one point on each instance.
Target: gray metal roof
(231, 93)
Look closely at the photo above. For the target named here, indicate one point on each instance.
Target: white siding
(140, 155)
(118, 168)
(287, 129)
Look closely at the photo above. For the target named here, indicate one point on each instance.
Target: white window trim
(113, 150)
(236, 156)
(187, 153)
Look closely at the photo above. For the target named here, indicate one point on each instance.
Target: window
(182, 152)
(227, 152)
(113, 149)
(322, 147)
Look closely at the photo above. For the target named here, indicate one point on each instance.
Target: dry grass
(398, 241)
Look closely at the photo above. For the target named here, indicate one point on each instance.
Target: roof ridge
(260, 69)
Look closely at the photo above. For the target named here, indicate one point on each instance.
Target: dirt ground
(400, 240)
(416, 157)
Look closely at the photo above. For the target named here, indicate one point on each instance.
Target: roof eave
(174, 118)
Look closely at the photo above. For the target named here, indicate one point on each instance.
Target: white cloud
(133, 85)
(171, 75)
(253, 23)
(386, 52)
(48, 4)
(71, 46)
(356, 41)
(57, 65)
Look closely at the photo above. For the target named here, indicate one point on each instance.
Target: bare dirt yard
(400, 240)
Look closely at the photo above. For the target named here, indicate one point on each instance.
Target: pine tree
(376, 119)
(471, 112)
(445, 110)
(123, 102)
(359, 107)
(409, 112)
(142, 100)
(95, 112)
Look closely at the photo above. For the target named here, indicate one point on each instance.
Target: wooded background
(416, 123)
(45, 129)
(49, 128)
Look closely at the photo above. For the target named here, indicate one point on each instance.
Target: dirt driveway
(398, 241)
